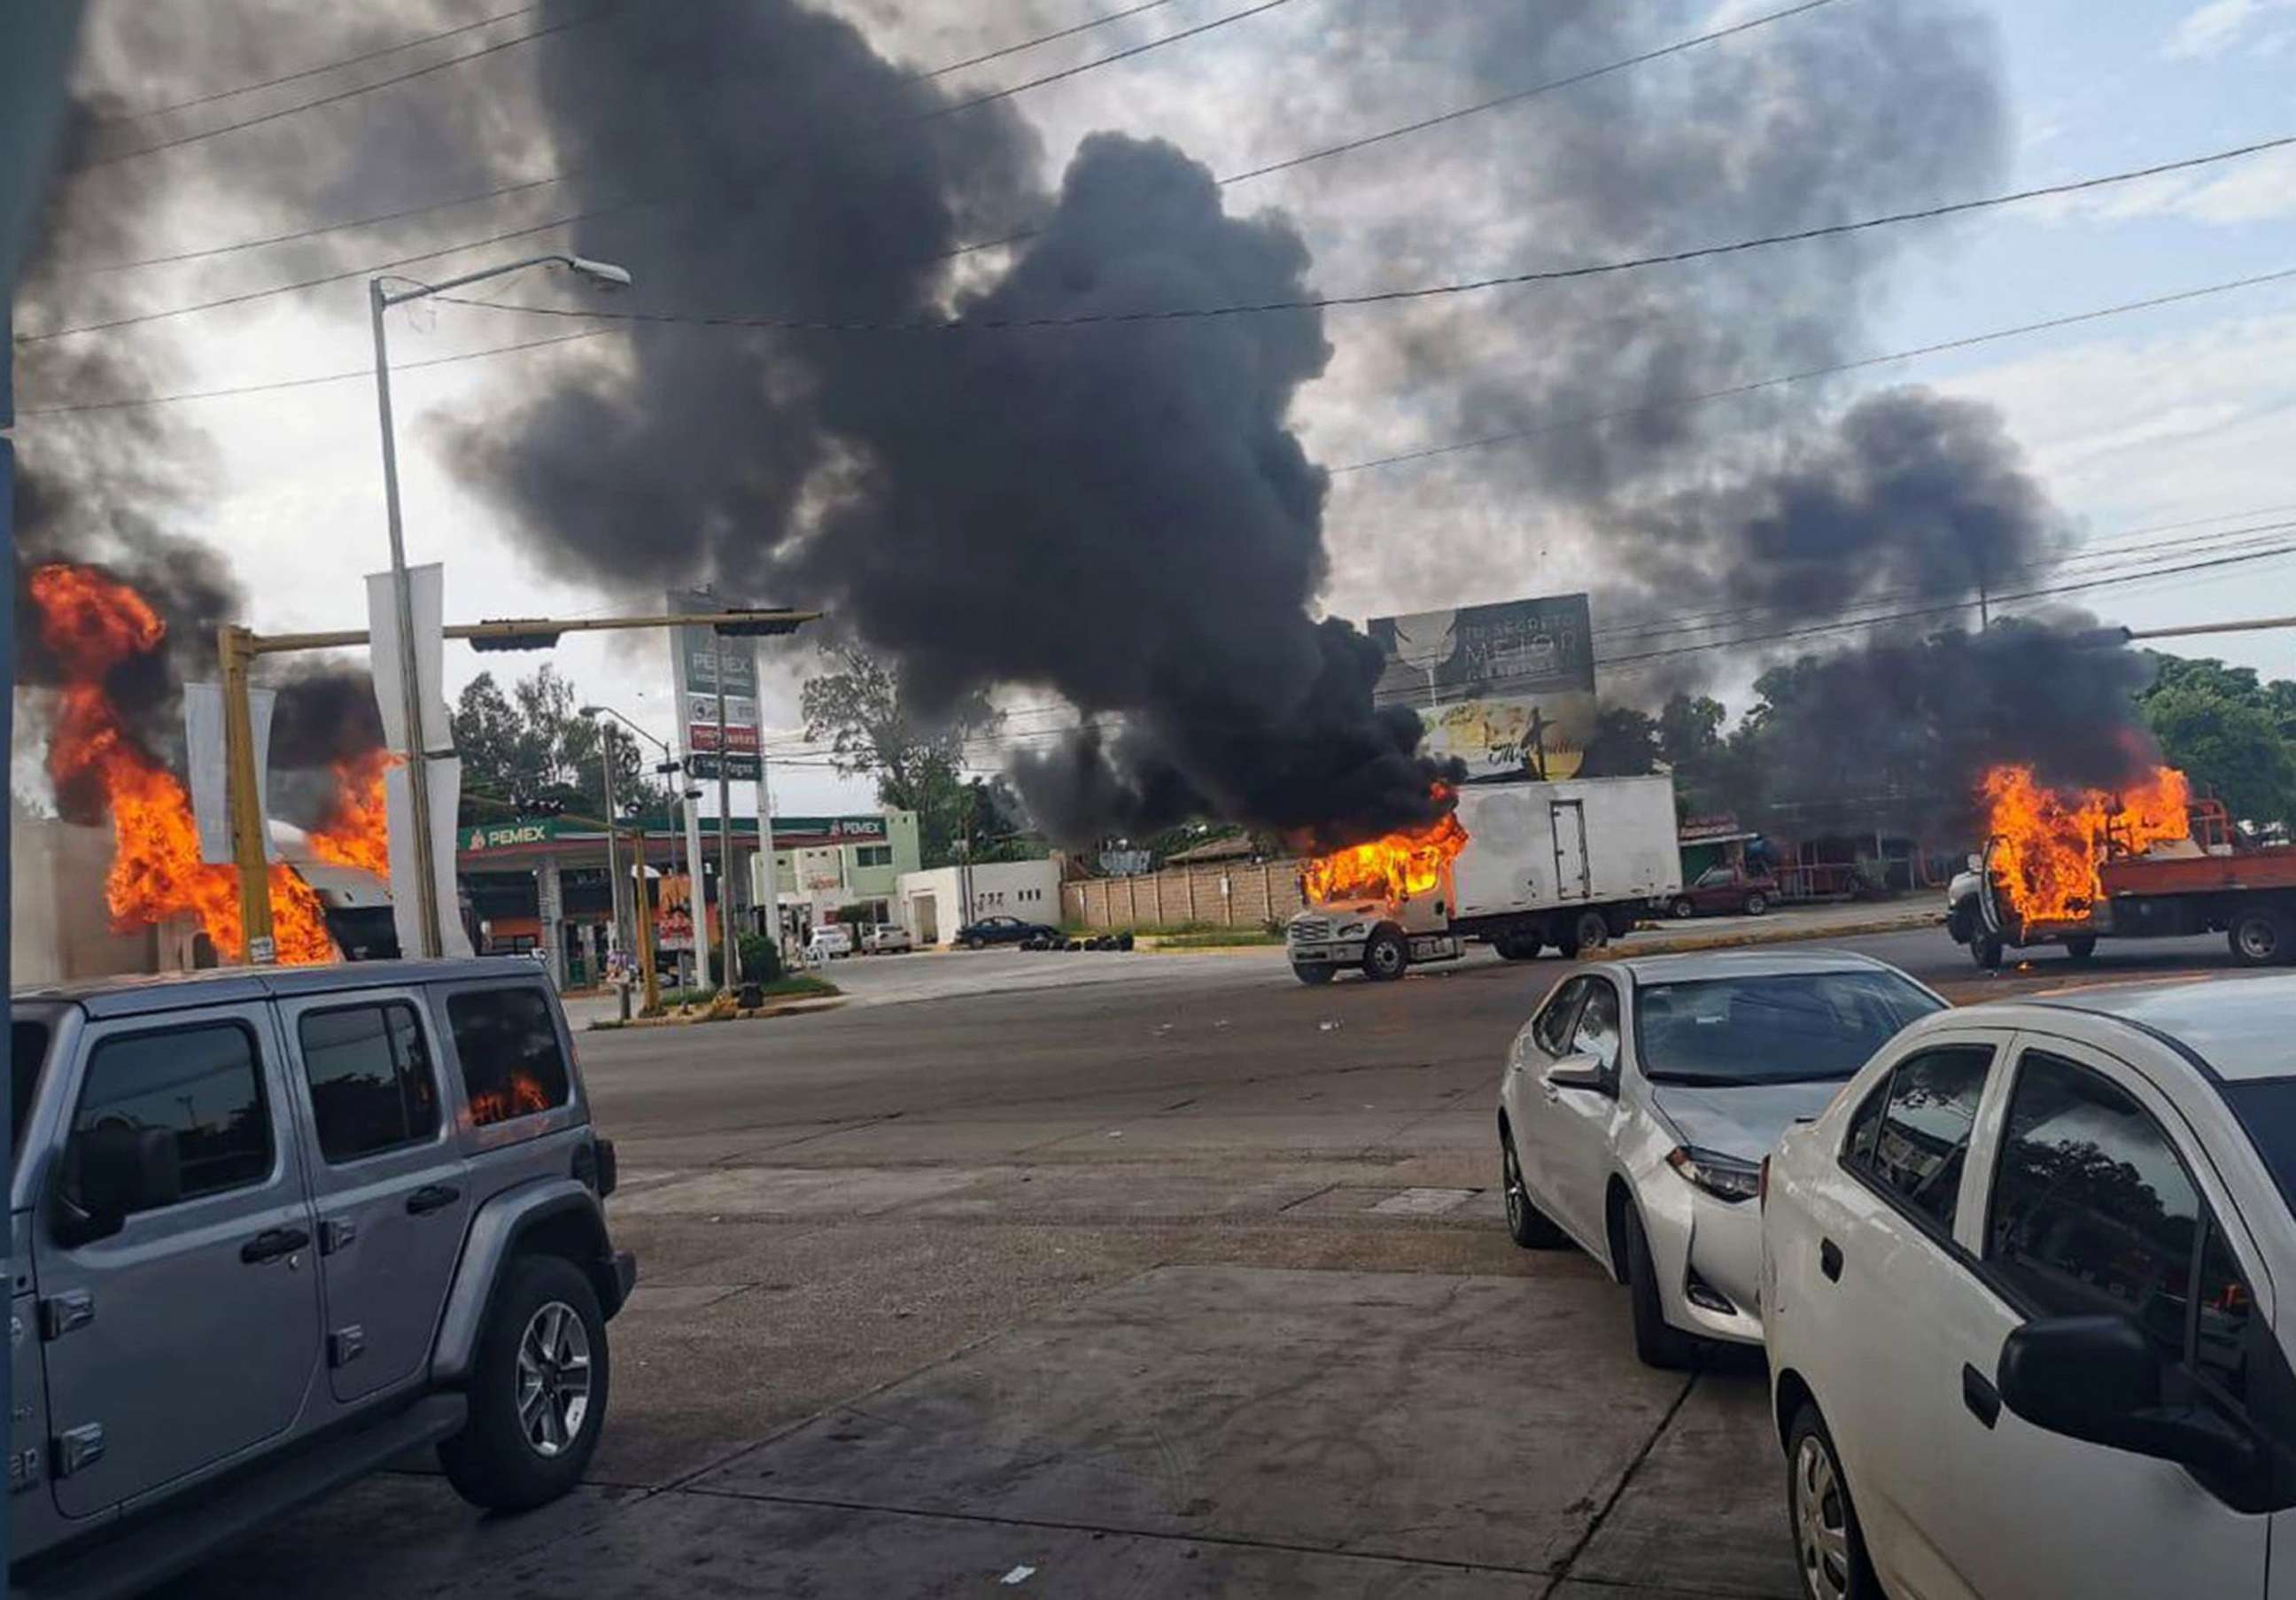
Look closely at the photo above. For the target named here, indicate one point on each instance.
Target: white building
(936, 904)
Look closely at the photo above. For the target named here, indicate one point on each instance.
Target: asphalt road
(1191, 1280)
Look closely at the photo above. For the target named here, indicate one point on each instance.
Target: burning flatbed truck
(2148, 863)
(1522, 866)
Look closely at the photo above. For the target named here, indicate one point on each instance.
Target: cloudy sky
(2176, 418)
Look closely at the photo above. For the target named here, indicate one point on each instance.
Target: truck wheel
(1313, 973)
(1385, 956)
(1985, 949)
(2081, 946)
(1757, 903)
(1683, 910)
(2257, 935)
(537, 1389)
(1588, 930)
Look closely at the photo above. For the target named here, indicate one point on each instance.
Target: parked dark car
(1002, 931)
(1720, 890)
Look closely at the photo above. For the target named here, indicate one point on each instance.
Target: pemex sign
(480, 837)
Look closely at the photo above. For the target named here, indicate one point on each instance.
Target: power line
(340, 94)
(335, 66)
(619, 206)
(1382, 297)
(1592, 419)
(1043, 38)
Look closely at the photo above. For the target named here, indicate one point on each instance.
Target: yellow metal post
(243, 797)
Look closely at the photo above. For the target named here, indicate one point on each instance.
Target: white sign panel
(209, 754)
(427, 585)
(444, 774)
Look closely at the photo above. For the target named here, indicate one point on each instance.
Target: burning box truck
(1522, 866)
(2148, 862)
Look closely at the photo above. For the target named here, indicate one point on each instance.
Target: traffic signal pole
(236, 649)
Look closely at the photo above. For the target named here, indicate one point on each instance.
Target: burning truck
(1524, 866)
(2149, 861)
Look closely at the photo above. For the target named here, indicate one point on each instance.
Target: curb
(784, 1009)
(1784, 934)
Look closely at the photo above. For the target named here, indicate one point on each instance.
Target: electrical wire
(339, 95)
(1385, 296)
(1043, 38)
(335, 66)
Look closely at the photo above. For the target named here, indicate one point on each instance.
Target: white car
(2022, 1284)
(828, 940)
(1642, 1141)
(887, 939)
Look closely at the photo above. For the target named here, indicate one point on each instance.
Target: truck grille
(1311, 929)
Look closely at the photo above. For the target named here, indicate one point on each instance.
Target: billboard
(1508, 689)
(697, 655)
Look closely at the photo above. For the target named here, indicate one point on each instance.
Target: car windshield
(1779, 1027)
(2267, 1110)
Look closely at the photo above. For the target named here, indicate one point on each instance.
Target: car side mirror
(2098, 1379)
(1580, 1071)
(107, 1174)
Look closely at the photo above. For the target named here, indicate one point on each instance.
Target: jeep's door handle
(432, 1197)
(1984, 1400)
(1829, 1260)
(272, 1243)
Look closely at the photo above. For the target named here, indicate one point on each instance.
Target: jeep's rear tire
(537, 1389)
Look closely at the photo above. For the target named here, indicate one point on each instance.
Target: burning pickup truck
(2150, 862)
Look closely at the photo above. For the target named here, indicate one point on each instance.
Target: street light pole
(613, 825)
(429, 939)
(731, 967)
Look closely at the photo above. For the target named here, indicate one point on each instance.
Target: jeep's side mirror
(107, 1174)
(2098, 1379)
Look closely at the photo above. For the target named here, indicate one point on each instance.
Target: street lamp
(604, 274)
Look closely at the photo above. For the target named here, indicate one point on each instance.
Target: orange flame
(2051, 841)
(1391, 867)
(358, 835)
(92, 623)
(522, 1097)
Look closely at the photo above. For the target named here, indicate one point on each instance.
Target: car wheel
(972, 944)
(1385, 956)
(1657, 1342)
(1313, 973)
(1588, 931)
(1527, 1225)
(2257, 936)
(1984, 950)
(1683, 910)
(1829, 1548)
(537, 1389)
(2082, 947)
(1757, 903)
(1516, 947)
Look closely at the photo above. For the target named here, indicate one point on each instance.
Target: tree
(2233, 736)
(1624, 745)
(533, 750)
(862, 713)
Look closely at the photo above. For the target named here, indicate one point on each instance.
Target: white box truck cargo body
(1569, 865)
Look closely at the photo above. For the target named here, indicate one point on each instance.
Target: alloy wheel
(1516, 1200)
(1821, 1523)
(554, 1378)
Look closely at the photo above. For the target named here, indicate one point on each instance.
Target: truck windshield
(2267, 1110)
(1782, 1028)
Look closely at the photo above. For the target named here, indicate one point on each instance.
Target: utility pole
(242, 786)
(731, 970)
(613, 861)
(647, 975)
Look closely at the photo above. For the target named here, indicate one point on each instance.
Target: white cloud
(2212, 29)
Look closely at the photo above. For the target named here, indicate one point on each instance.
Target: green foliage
(532, 750)
(1624, 745)
(863, 715)
(761, 960)
(2233, 736)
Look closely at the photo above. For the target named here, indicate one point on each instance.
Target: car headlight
(1351, 931)
(1724, 1177)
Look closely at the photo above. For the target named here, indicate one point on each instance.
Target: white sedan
(2022, 1291)
(1638, 1103)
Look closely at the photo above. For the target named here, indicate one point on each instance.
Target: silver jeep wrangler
(275, 1226)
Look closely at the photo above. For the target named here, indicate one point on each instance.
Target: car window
(1711, 876)
(508, 1044)
(203, 1085)
(1912, 1137)
(372, 1085)
(1775, 1027)
(1551, 1028)
(2092, 1209)
(2228, 1334)
(1596, 1031)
